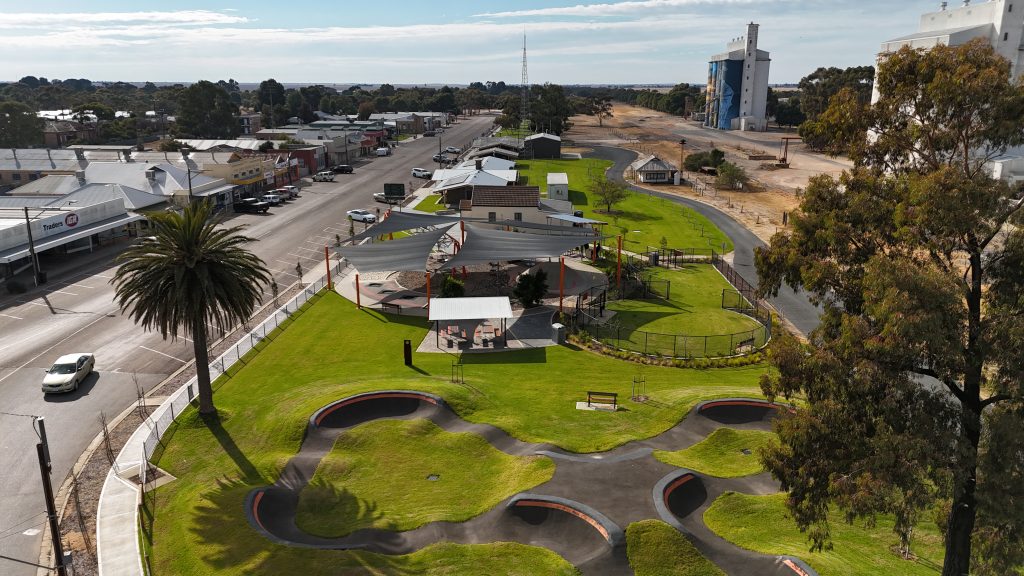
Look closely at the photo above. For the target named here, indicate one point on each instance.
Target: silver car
(68, 372)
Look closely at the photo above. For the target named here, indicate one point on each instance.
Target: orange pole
(561, 283)
(428, 294)
(618, 266)
(462, 226)
(391, 236)
(327, 260)
(359, 303)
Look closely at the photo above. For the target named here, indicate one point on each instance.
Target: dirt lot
(773, 191)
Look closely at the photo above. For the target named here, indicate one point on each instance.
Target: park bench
(603, 398)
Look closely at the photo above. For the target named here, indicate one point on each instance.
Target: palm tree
(189, 275)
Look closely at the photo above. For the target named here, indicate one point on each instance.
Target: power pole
(43, 452)
(32, 249)
(524, 105)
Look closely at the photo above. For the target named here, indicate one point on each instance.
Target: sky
(437, 41)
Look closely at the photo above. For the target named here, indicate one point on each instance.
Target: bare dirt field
(774, 191)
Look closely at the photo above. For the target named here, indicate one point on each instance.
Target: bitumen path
(612, 488)
(795, 306)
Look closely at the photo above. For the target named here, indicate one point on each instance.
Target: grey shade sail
(402, 221)
(407, 254)
(548, 227)
(483, 245)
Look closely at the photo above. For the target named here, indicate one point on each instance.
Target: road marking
(321, 238)
(63, 292)
(285, 261)
(81, 286)
(333, 229)
(162, 354)
(9, 316)
(59, 342)
(102, 276)
(303, 248)
(183, 338)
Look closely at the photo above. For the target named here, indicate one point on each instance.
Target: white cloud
(611, 9)
(180, 17)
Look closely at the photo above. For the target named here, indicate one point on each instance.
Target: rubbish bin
(654, 258)
(558, 333)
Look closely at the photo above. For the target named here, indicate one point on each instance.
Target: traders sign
(58, 224)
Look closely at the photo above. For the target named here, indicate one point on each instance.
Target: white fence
(117, 541)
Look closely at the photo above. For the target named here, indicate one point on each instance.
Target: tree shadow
(220, 524)
(249, 472)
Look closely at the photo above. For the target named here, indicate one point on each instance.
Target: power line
(20, 415)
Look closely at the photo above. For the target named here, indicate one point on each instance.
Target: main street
(75, 312)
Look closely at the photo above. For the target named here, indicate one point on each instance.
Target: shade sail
(407, 254)
(470, 308)
(483, 245)
(401, 221)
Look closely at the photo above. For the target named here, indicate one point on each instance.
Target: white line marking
(162, 354)
(32, 303)
(63, 292)
(34, 358)
(328, 238)
(102, 276)
(9, 316)
(285, 261)
(333, 229)
(304, 248)
(82, 286)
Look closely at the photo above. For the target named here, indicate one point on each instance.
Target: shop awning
(19, 252)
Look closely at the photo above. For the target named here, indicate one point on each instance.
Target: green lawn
(656, 549)
(430, 204)
(357, 486)
(761, 523)
(721, 453)
(642, 219)
(332, 350)
(694, 308)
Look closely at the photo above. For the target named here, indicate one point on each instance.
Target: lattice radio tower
(524, 105)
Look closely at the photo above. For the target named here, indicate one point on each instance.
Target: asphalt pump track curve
(577, 514)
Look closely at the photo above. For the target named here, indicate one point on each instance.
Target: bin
(558, 333)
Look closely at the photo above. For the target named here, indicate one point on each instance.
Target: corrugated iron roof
(506, 196)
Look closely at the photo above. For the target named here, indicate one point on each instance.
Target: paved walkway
(579, 513)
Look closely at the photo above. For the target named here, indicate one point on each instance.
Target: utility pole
(43, 452)
(36, 272)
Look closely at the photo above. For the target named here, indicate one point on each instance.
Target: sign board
(394, 191)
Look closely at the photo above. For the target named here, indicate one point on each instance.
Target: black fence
(590, 307)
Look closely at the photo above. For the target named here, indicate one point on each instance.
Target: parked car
(251, 205)
(453, 150)
(381, 197)
(440, 158)
(360, 215)
(342, 169)
(430, 133)
(421, 173)
(273, 199)
(383, 151)
(325, 176)
(289, 191)
(68, 372)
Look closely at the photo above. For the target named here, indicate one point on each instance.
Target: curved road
(794, 306)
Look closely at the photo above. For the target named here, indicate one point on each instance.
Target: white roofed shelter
(445, 310)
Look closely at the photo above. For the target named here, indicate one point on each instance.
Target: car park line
(32, 303)
(162, 354)
(9, 316)
(304, 248)
(80, 286)
(63, 292)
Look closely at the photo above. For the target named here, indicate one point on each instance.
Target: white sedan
(360, 215)
(68, 372)
(453, 150)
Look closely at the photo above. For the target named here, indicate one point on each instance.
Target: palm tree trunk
(206, 406)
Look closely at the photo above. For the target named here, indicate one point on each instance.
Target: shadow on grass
(249, 472)
(228, 543)
(630, 320)
(528, 356)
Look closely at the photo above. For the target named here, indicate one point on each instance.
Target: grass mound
(361, 473)
(656, 549)
(722, 453)
(761, 523)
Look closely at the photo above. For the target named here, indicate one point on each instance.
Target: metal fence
(180, 399)
(590, 308)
